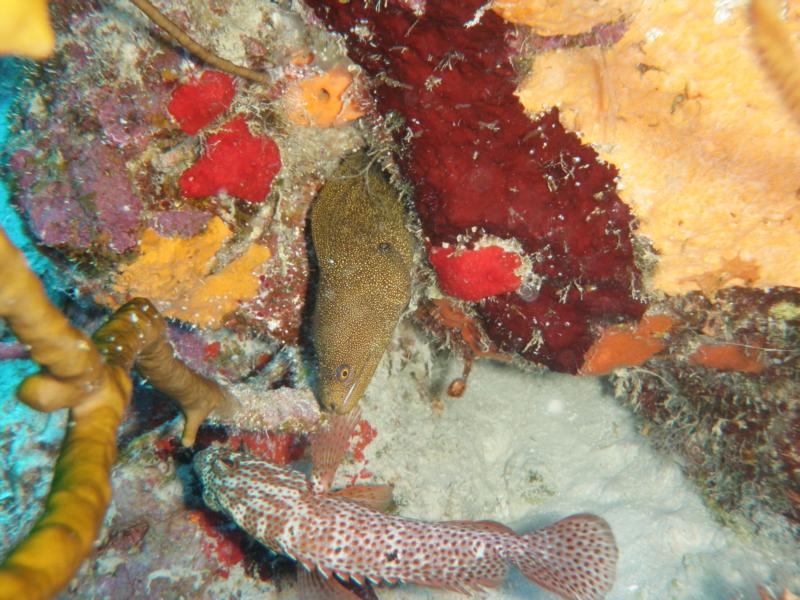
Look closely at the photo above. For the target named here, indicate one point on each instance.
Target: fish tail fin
(575, 558)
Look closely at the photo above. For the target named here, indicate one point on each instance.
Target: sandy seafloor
(519, 447)
(527, 449)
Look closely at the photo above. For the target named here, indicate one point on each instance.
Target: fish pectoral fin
(311, 585)
(328, 447)
(378, 497)
(492, 526)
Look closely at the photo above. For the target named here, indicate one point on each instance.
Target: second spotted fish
(365, 253)
(341, 535)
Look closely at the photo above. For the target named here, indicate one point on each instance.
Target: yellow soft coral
(90, 377)
(708, 154)
(25, 28)
(74, 376)
(175, 274)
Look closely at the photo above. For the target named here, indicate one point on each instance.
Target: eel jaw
(362, 379)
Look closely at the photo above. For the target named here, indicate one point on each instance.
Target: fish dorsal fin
(489, 526)
(378, 497)
(313, 586)
(328, 447)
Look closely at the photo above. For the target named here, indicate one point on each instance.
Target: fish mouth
(201, 460)
(206, 464)
(209, 471)
(209, 462)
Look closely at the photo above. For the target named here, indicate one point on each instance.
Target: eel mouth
(345, 406)
(341, 404)
(360, 383)
(209, 464)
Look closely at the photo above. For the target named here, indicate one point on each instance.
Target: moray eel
(364, 252)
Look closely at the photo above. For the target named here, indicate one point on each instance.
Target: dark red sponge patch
(235, 162)
(197, 103)
(482, 166)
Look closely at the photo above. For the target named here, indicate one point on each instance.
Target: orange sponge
(623, 346)
(176, 274)
(322, 101)
(727, 357)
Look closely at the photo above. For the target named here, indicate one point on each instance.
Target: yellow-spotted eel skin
(364, 251)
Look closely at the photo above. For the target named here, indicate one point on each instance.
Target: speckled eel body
(365, 252)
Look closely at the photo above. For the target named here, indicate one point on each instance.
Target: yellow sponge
(25, 28)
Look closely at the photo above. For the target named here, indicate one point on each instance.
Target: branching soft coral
(90, 377)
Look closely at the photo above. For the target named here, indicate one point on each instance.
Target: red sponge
(195, 104)
(236, 162)
(476, 274)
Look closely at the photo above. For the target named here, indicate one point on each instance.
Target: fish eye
(384, 247)
(228, 461)
(343, 373)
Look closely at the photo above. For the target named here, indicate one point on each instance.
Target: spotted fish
(344, 535)
(364, 252)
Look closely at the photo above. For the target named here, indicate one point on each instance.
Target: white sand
(528, 449)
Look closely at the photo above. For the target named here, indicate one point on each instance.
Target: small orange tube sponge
(727, 357)
(320, 101)
(90, 378)
(621, 346)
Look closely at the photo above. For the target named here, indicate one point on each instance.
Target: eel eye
(343, 373)
(384, 247)
(228, 461)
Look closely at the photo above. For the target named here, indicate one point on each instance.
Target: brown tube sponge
(90, 377)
